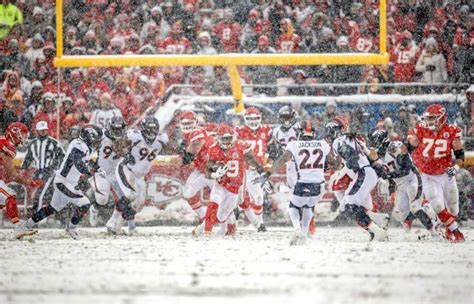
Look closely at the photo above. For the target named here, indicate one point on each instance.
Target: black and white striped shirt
(44, 155)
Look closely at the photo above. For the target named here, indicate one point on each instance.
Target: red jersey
(257, 140)
(229, 36)
(6, 149)
(234, 158)
(364, 44)
(200, 160)
(288, 43)
(404, 62)
(433, 154)
(175, 46)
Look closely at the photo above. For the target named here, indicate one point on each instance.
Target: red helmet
(211, 128)
(434, 116)
(16, 132)
(226, 136)
(342, 120)
(188, 121)
(252, 118)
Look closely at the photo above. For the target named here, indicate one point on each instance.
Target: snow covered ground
(168, 265)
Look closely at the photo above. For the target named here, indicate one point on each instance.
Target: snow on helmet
(16, 132)
(91, 135)
(253, 118)
(226, 137)
(434, 116)
(287, 117)
(188, 121)
(306, 131)
(212, 129)
(150, 128)
(379, 139)
(116, 127)
(337, 126)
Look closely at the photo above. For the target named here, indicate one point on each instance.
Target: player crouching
(309, 155)
(226, 165)
(74, 167)
(15, 134)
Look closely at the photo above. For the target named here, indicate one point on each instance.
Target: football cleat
(298, 239)
(132, 227)
(93, 216)
(262, 228)
(72, 231)
(458, 236)
(231, 229)
(21, 230)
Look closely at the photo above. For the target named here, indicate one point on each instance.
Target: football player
(259, 137)
(75, 166)
(309, 155)
(112, 148)
(434, 140)
(15, 134)
(195, 146)
(357, 199)
(398, 166)
(146, 144)
(228, 159)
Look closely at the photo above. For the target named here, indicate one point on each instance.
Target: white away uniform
(363, 180)
(67, 176)
(283, 137)
(107, 161)
(101, 118)
(131, 171)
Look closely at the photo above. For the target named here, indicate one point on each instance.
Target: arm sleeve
(76, 156)
(350, 156)
(28, 158)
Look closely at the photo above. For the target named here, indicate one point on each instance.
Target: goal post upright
(231, 61)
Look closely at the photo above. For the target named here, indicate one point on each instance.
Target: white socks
(306, 219)
(295, 218)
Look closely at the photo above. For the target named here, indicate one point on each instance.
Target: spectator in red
(90, 41)
(404, 17)
(49, 114)
(365, 42)
(78, 115)
(93, 85)
(133, 44)
(124, 99)
(254, 28)
(122, 27)
(71, 41)
(116, 47)
(175, 43)
(228, 33)
(65, 88)
(404, 57)
(143, 93)
(288, 42)
(11, 85)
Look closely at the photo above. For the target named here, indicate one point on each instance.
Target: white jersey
(390, 162)
(310, 157)
(284, 136)
(343, 140)
(142, 153)
(107, 159)
(101, 118)
(75, 163)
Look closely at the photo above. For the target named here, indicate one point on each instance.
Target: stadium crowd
(429, 41)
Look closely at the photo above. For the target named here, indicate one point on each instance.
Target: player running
(309, 155)
(195, 146)
(15, 134)
(357, 199)
(75, 166)
(228, 158)
(434, 140)
(259, 137)
(112, 148)
(398, 166)
(146, 144)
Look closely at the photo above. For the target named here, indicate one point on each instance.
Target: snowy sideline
(167, 265)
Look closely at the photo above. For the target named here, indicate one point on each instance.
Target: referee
(44, 154)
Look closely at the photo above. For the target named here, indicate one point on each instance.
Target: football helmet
(434, 117)
(16, 133)
(252, 118)
(336, 127)
(188, 121)
(395, 148)
(212, 129)
(379, 139)
(91, 135)
(226, 137)
(287, 117)
(307, 131)
(150, 128)
(116, 127)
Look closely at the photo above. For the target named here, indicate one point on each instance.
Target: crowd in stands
(428, 41)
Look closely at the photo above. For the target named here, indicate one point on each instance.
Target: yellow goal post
(230, 60)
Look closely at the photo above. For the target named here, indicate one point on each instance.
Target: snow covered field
(167, 265)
